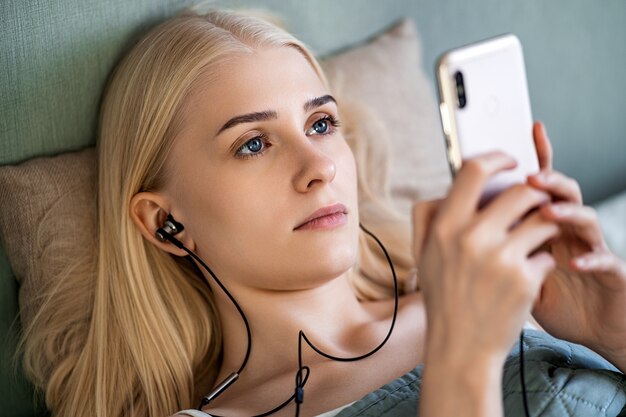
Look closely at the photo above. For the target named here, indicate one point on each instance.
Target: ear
(149, 211)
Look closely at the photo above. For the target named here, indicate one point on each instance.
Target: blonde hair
(146, 331)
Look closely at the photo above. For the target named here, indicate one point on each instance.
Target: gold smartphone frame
(448, 97)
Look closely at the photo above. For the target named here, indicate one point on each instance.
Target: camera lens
(460, 89)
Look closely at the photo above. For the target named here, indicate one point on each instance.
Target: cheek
(346, 167)
(228, 207)
(230, 219)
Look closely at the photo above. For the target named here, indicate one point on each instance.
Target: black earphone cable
(302, 335)
(393, 320)
(302, 375)
(521, 372)
(234, 376)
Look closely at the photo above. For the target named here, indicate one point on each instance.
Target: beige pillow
(44, 200)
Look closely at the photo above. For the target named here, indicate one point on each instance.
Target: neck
(330, 315)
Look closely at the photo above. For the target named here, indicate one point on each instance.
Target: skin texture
(476, 266)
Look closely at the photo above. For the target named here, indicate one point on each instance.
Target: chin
(326, 261)
(315, 257)
(338, 262)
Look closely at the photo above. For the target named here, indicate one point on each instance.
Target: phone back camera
(460, 89)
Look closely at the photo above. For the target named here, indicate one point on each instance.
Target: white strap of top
(194, 413)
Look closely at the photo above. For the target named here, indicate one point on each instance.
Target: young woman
(220, 131)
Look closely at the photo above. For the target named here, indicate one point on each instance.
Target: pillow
(56, 192)
(44, 201)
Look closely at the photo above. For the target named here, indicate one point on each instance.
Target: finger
(557, 184)
(422, 216)
(599, 262)
(469, 183)
(582, 219)
(510, 205)
(532, 233)
(543, 146)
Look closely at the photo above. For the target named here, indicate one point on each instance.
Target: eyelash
(333, 122)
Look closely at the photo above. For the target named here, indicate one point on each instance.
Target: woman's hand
(584, 299)
(479, 275)
(477, 268)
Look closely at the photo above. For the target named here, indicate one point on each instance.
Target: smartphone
(484, 106)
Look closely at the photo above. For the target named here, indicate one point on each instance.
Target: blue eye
(252, 147)
(323, 126)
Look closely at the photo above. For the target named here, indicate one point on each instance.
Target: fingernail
(584, 263)
(543, 130)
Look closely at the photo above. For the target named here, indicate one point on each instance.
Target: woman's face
(258, 155)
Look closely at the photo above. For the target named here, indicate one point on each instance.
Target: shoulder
(412, 316)
(413, 301)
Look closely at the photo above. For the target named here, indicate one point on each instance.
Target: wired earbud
(169, 229)
(172, 227)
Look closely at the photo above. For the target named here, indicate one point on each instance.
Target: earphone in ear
(169, 229)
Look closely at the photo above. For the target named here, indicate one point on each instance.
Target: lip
(324, 218)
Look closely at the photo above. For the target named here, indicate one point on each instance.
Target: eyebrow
(258, 116)
(261, 116)
(318, 102)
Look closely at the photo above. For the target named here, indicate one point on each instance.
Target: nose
(314, 167)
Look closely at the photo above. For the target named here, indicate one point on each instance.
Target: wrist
(444, 350)
(475, 382)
